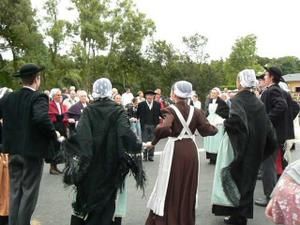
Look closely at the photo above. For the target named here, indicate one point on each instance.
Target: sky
(275, 23)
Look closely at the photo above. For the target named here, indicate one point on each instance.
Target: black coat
(253, 139)
(147, 116)
(222, 109)
(281, 110)
(27, 129)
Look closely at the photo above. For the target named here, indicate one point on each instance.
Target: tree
(163, 61)
(18, 30)
(243, 56)
(56, 31)
(195, 46)
(114, 28)
(288, 64)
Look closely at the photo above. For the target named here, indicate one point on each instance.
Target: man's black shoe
(262, 201)
(151, 159)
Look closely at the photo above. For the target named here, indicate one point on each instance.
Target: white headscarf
(4, 91)
(247, 78)
(102, 88)
(183, 89)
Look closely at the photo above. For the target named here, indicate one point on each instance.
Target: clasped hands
(60, 138)
(147, 145)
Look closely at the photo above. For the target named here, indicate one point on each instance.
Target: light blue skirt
(224, 158)
(211, 144)
(136, 128)
(121, 202)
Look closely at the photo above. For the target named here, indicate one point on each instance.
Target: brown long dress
(182, 187)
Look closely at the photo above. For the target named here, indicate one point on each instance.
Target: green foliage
(18, 30)
(243, 56)
(195, 45)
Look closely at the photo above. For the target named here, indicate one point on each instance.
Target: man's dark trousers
(148, 135)
(25, 177)
(269, 174)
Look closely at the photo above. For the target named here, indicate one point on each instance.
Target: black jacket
(27, 129)
(281, 110)
(147, 116)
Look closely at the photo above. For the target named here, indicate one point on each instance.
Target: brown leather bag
(4, 185)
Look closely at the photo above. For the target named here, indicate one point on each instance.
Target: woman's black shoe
(235, 220)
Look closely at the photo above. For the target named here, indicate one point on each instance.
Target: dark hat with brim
(149, 92)
(28, 70)
(275, 71)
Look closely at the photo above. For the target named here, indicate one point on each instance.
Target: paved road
(54, 204)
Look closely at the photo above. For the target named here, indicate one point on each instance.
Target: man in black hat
(280, 113)
(148, 112)
(27, 131)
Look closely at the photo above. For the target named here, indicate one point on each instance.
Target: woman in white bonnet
(174, 196)
(242, 150)
(216, 111)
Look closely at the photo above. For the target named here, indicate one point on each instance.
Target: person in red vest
(58, 113)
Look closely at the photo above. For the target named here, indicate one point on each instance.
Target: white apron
(156, 201)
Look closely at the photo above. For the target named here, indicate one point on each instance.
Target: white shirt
(58, 107)
(149, 104)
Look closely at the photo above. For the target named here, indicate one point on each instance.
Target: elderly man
(71, 100)
(76, 109)
(148, 112)
(27, 132)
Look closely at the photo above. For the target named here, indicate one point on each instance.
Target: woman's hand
(268, 211)
(148, 145)
(71, 120)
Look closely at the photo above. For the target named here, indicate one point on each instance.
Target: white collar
(149, 104)
(28, 87)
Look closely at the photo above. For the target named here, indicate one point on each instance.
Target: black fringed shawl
(102, 143)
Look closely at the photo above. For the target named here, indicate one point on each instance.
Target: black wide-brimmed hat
(29, 69)
(149, 92)
(275, 71)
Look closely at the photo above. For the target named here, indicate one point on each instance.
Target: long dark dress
(182, 187)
